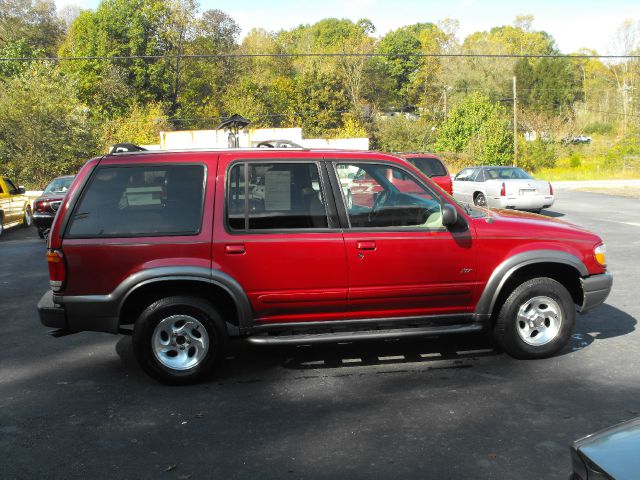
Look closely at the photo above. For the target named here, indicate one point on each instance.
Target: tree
(121, 28)
(44, 130)
(33, 22)
(479, 127)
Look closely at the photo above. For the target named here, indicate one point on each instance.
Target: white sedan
(502, 187)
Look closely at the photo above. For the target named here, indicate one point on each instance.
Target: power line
(211, 56)
(619, 114)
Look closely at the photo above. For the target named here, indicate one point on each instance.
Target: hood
(51, 197)
(614, 450)
(515, 223)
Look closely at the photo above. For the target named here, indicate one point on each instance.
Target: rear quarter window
(144, 200)
(431, 167)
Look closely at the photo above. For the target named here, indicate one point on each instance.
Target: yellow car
(15, 208)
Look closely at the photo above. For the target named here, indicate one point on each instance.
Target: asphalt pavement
(80, 407)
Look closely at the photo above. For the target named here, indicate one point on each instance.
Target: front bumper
(51, 314)
(43, 220)
(596, 289)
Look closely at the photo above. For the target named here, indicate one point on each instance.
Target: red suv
(185, 250)
(431, 166)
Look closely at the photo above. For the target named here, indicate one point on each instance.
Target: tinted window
(12, 188)
(386, 196)
(58, 185)
(266, 196)
(507, 173)
(141, 201)
(431, 167)
(465, 175)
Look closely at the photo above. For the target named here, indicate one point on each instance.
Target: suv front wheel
(536, 319)
(178, 340)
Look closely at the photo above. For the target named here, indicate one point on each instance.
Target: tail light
(40, 205)
(503, 190)
(550, 189)
(57, 269)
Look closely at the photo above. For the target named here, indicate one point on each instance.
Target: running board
(363, 335)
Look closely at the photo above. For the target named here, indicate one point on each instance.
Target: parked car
(502, 187)
(577, 140)
(15, 208)
(47, 204)
(211, 260)
(432, 167)
(609, 454)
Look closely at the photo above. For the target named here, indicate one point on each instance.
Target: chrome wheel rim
(27, 217)
(180, 342)
(539, 321)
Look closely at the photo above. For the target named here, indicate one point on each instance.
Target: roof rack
(126, 147)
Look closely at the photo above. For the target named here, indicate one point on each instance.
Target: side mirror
(21, 190)
(449, 215)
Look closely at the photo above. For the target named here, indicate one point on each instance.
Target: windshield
(58, 185)
(507, 173)
(431, 167)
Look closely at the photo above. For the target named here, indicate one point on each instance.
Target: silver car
(502, 187)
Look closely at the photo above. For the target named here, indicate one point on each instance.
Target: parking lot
(80, 407)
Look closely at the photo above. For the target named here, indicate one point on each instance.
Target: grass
(599, 160)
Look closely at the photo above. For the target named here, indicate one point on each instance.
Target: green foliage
(479, 127)
(119, 28)
(538, 154)
(599, 128)
(548, 85)
(34, 23)
(401, 134)
(44, 130)
(575, 160)
(142, 125)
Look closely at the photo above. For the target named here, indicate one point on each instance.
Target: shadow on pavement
(606, 322)
(251, 361)
(551, 213)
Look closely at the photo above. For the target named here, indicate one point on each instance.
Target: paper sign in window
(277, 190)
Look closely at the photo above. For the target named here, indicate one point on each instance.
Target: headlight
(600, 254)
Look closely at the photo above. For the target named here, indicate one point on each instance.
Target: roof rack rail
(126, 147)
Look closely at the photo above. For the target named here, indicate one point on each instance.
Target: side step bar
(362, 335)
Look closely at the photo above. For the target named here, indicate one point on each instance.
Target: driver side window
(387, 196)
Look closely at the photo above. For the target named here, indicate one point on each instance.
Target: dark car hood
(615, 450)
(51, 197)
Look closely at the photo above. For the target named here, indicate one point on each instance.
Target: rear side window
(145, 200)
(431, 167)
(275, 196)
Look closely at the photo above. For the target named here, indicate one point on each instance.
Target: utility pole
(515, 124)
(446, 103)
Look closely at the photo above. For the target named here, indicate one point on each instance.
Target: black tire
(507, 326)
(27, 219)
(41, 232)
(480, 200)
(194, 307)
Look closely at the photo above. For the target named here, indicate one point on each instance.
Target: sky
(573, 24)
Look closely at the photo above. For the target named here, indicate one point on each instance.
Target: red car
(46, 206)
(432, 167)
(186, 250)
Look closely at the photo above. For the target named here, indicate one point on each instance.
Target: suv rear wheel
(178, 340)
(536, 320)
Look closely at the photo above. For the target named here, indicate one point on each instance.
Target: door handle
(234, 248)
(364, 245)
